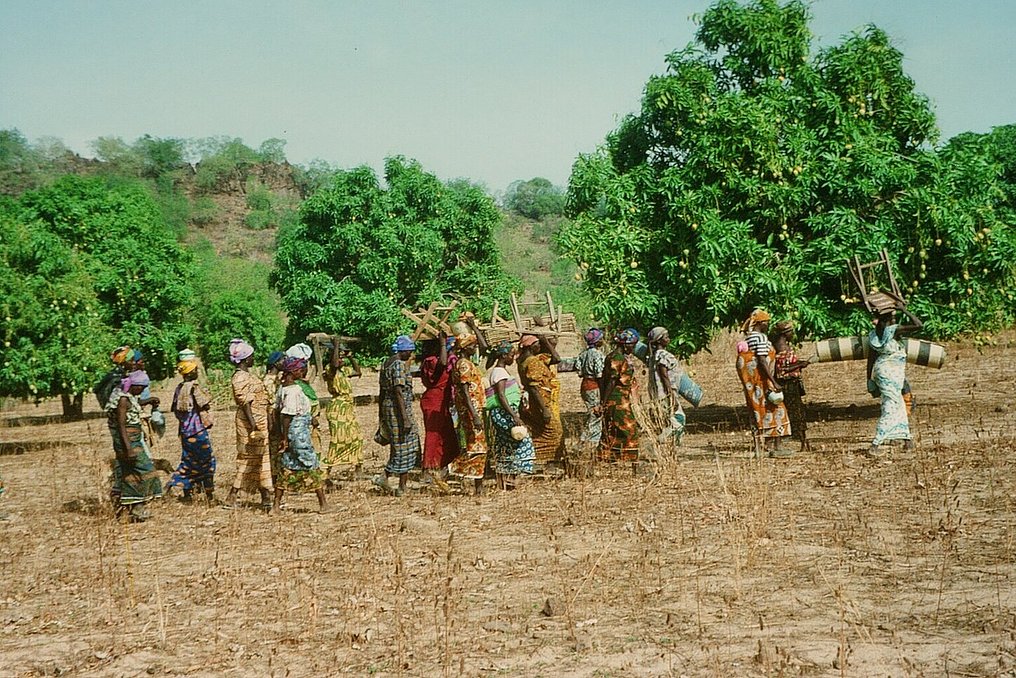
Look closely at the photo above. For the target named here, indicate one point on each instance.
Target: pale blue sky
(492, 91)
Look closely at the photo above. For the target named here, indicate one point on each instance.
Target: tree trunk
(72, 406)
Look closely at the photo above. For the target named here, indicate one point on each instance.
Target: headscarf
(465, 341)
(302, 351)
(528, 340)
(135, 378)
(656, 333)
(186, 354)
(290, 364)
(274, 357)
(119, 356)
(628, 336)
(783, 327)
(503, 348)
(239, 350)
(137, 355)
(403, 343)
(594, 336)
(187, 366)
(757, 316)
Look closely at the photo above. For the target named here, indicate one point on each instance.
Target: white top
(496, 374)
(293, 401)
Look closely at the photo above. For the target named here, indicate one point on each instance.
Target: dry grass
(717, 565)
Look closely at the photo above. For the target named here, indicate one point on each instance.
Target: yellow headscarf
(757, 316)
(120, 355)
(187, 366)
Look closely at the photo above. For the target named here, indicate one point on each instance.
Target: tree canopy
(536, 198)
(361, 252)
(757, 166)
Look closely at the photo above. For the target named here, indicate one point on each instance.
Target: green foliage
(535, 199)
(203, 210)
(235, 301)
(142, 278)
(754, 170)
(226, 158)
(313, 176)
(53, 339)
(24, 166)
(360, 253)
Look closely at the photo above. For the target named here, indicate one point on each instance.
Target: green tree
(537, 198)
(53, 339)
(235, 301)
(141, 276)
(755, 168)
(361, 252)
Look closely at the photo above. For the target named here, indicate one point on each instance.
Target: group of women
(475, 420)
(770, 372)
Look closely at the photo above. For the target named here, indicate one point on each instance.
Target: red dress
(440, 444)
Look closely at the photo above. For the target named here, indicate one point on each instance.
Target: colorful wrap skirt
(253, 464)
(135, 479)
(893, 424)
(621, 435)
(404, 448)
(345, 446)
(511, 457)
(197, 463)
(770, 420)
(594, 420)
(301, 469)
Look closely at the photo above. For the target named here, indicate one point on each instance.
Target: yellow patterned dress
(467, 380)
(346, 444)
(253, 465)
(548, 436)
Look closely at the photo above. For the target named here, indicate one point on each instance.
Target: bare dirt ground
(825, 564)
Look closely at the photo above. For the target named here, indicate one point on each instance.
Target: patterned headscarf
(628, 336)
(594, 336)
(503, 348)
(119, 356)
(289, 364)
(528, 340)
(187, 366)
(465, 341)
(403, 343)
(274, 357)
(757, 316)
(239, 350)
(186, 354)
(135, 378)
(656, 334)
(137, 356)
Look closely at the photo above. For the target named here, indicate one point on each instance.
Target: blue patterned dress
(889, 373)
(404, 447)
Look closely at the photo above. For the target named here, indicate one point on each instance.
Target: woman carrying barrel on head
(887, 363)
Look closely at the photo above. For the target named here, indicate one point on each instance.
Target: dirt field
(825, 564)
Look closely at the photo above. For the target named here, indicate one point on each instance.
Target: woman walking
(135, 480)
(620, 440)
(512, 445)
(397, 427)
(665, 374)
(762, 393)
(787, 370)
(440, 444)
(470, 399)
(537, 358)
(345, 445)
(887, 364)
(590, 365)
(192, 407)
(301, 470)
(253, 466)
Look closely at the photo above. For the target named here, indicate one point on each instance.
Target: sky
(490, 90)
